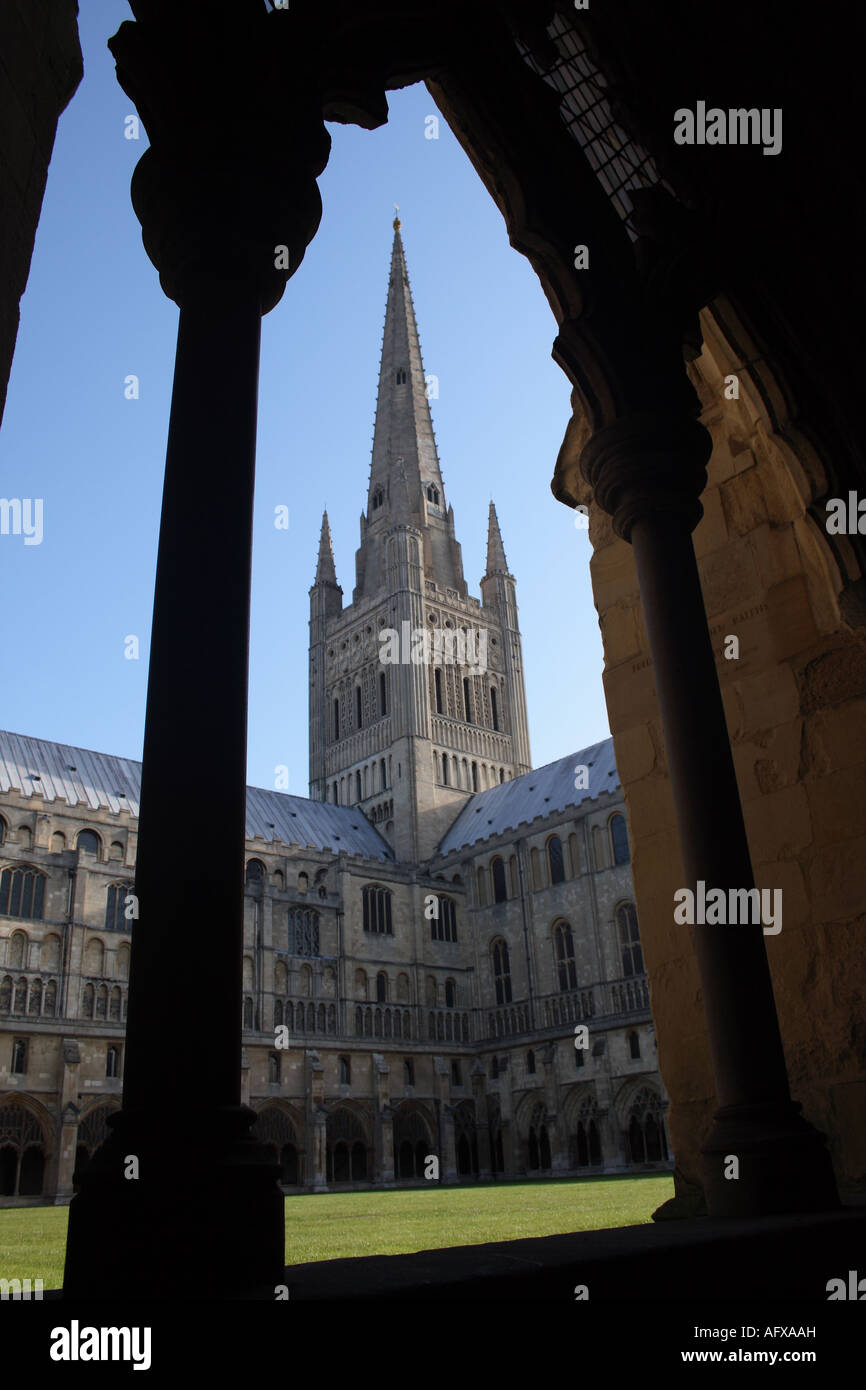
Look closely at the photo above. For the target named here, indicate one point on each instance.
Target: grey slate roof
(81, 777)
(536, 793)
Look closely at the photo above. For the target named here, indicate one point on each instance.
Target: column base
(783, 1165)
(203, 1219)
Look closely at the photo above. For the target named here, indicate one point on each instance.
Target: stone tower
(417, 695)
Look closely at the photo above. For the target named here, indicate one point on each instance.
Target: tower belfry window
(401, 377)
(433, 494)
(377, 500)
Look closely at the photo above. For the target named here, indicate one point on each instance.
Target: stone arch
(349, 1148)
(281, 1129)
(26, 1141)
(413, 1139)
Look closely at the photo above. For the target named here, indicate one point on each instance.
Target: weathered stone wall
(40, 68)
(795, 701)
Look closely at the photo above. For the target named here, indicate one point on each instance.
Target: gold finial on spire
(397, 223)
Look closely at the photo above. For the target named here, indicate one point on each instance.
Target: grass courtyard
(331, 1226)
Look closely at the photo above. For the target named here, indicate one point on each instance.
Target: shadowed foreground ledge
(765, 1259)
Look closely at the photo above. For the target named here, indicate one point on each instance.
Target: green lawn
(329, 1226)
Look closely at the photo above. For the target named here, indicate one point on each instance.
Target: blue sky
(93, 314)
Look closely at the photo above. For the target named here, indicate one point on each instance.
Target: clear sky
(93, 314)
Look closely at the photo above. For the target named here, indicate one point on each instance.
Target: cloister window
(115, 907)
(619, 840)
(500, 891)
(629, 940)
(555, 860)
(564, 948)
(501, 971)
(377, 910)
(494, 708)
(88, 842)
(303, 932)
(444, 927)
(22, 893)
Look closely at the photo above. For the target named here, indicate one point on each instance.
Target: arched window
(114, 1003)
(58, 842)
(336, 793)
(112, 1062)
(358, 793)
(401, 377)
(634, 1046)
(87, 1001)
(377, 910)
(378, 499)
(530, 1062)
(336, 719)
(450, 994)
(564, 948)
(18, 950)
(437, 686)
(433, 494)
(248, 1012)
(115, 850)
(501, 971)
(22, 893)
(303, 884)
(358, 707)
(444, 926)
(445, 768)
(115, 907)
(494, 1069)
(494, 707)
(6, 994)
(381, 988)
(88, 842)
(481, 880)
(647, 1142)
(467, 705)
(629, 940)
(497, 870)
(475, 777)
(255, 875)
(274, 1068)
(94, 957)
(122, 962)
(50, 1003)
(619, 840)
(383, 695)
(22, 1152)
(554, 860)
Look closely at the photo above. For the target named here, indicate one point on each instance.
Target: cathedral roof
(537, 793)
(60, 772)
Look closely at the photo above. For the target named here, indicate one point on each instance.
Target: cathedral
(443, 976)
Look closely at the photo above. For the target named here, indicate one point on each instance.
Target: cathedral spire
(405, 479)
(325, 570)
(496, 561)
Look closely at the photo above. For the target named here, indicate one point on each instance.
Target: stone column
(383, 1125)
(647, 471)
(447, 1142)
(70, 1112)
(226, 215)
(556, 1127)
(478, 1078)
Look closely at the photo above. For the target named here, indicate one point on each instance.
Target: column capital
(227, 190)
(646, 463)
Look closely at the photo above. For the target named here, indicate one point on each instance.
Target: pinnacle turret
(326, 572)
(496, 561)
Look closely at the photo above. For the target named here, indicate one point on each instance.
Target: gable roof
(80, 777)
(537, 793)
